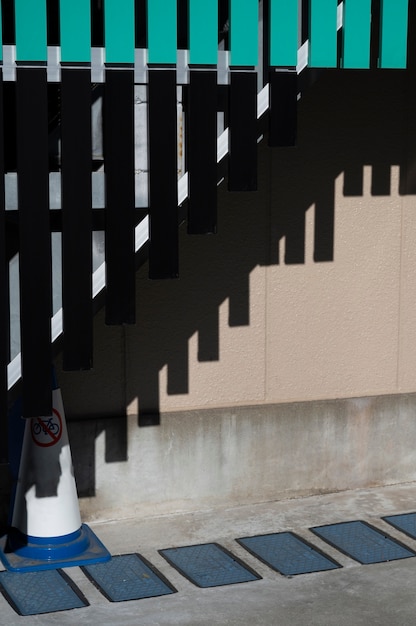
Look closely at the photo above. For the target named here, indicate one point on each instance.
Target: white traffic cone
(46, 530)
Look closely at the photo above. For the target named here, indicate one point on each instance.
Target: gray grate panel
(363, 542)
(32, 593)
(209, 565)
(405, 522)
(128, 577)
(287, 553)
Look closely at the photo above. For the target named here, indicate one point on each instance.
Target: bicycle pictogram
(46, 426)
(46, 431)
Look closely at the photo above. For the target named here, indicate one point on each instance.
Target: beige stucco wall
(263, 312)
(282, 362)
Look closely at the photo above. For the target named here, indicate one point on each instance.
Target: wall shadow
(348, 120)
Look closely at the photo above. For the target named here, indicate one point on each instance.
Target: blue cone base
(20, 553)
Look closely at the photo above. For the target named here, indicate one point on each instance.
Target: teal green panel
(284, 32)
(393, 39)
(357, 30)
(323, 33)
(161, 31)
(203, 32)
(119, 31)
(75, 25)
(244, 24)
(30, 19)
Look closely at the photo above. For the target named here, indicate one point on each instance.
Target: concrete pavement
(355, 594)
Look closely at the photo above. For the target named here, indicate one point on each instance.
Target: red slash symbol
(47, 431)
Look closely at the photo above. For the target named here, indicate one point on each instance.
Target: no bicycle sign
(47, 431)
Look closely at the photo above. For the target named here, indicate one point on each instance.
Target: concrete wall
(225, 457)
(307, 294)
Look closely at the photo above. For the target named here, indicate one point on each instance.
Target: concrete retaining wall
(201, 459)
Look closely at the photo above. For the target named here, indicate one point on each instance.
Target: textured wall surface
(282, 362)
(307, 292)
(226, 457)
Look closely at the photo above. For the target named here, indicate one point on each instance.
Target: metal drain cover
(406, 523)
(287, 553)
(32, 593)
(209, 565)
(363, 542)
(128, 577)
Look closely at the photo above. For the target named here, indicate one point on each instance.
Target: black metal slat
(242, 172)
(120, 195)
(283, 107)
(202, 152)
(163, 177)
(52, 12)
(77, 218)
(35, 240)
(305, 10)
(8, 23)
(97, 23)
(266, 43)
(140, 12)
(4, 298)
(182, 24)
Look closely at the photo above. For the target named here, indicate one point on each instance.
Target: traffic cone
(46, 530)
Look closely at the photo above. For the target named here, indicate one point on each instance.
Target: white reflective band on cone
(46, 503)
